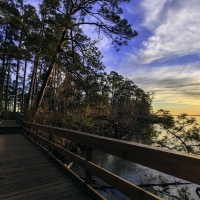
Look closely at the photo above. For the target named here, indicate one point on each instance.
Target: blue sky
(165, 57)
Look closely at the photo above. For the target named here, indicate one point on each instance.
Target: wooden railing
(19, 117)
(181, 165)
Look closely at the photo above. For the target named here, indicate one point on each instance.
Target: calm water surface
(136, 174)
(198, 119)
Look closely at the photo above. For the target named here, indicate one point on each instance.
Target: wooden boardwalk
(26, 172)
(9, 123)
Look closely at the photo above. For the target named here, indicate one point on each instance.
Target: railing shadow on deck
(181, 165)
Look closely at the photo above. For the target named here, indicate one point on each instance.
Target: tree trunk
(43, 89)
(3, 71)
(3, 75)
(24, 80)
(7, 88)
(35, 68)
(17, 73)
(33, 77)
(16, 85)
(47, 77)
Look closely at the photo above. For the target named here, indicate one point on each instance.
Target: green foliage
(181, 133)
(67, 85)
(102, 104)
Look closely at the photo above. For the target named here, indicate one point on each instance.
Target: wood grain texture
(28, 173)
(181, 165)
(88, 174)
(129, 189)
(9, 123)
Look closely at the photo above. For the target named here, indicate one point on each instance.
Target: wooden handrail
(181, 165)
(19, 117)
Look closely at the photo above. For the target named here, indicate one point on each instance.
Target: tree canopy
(52, 70)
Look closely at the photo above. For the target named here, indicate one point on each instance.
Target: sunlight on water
(139, 175)
(197, 119)
(157, 127)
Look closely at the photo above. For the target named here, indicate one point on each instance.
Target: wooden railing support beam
(89, 157)
(156, 158)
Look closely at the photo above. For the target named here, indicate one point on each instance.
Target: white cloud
(171, 84)
(175, 29)
(152, 11)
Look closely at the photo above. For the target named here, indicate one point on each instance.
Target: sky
(165, 57)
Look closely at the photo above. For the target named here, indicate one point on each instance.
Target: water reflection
(113, 163)
(166, 186)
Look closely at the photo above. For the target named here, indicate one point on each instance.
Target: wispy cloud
(171, 84)
(168, 60)
(175, 29)
(169, 33)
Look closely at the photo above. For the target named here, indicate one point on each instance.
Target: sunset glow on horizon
(177, 109)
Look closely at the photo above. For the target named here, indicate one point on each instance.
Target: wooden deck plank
(41, 170)
(29, 155)
(28, 173)
(24, 176)
(25, 184)
(67, 195)
(18, 191)
(62, 190)
(9, 123)
(24, 167)
(12, 183)
(21, 163)
(30, 184)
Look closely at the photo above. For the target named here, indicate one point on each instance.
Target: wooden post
(29, 128)
(89, 157)
(22, 119)
(50, 138)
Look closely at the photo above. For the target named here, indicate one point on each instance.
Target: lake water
(197, 119)
(138, 175)
(163, 132)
